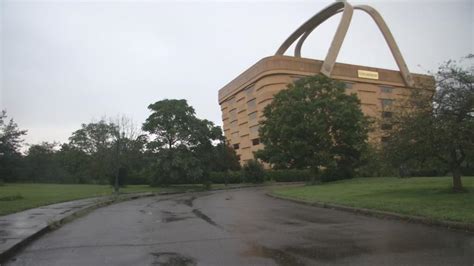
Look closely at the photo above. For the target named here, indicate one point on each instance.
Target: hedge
(288, 175)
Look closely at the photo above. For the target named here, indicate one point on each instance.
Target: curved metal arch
(341, 32)
(312, 23)
(390, 40)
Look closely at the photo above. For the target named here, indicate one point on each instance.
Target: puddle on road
(156, 201)
(169, 217)
(3, 233)
(295, 255)
(291, 223)
(145, 212)
(206, 218)
(327, 253)
(187, 201)
(172, 259)
(173, 219)
(280, 257)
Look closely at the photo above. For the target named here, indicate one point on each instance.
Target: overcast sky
(64, 63)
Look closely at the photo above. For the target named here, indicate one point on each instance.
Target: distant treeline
(172, 146)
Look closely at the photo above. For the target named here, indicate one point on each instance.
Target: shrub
(253, 172)
(207, 184)
(335, 173)
(230, 177)
(288, 175)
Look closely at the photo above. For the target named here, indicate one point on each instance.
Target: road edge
(467, 227)
(11, 251)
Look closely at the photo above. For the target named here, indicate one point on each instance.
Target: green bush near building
(289, 175)
(283, 175)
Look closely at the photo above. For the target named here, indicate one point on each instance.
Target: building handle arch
(313, 22)
(305, 30)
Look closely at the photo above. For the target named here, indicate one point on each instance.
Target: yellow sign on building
(367, 74)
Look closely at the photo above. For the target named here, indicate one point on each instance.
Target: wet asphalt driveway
(241, 227)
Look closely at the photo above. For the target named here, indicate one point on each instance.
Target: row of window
(386, 114)
(250, 104)
(248, 91)
(383, 89)
(255, 142)
(386, 126)
(386, 102)
(233, 115)
(253, 130)
(252, 117)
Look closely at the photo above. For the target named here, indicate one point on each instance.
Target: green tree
(10, 144)
(97, 140)
(170, 123)
(128, 149)
(107, 152)
(75, 163)
(94, 137)
(42, 164)
(182, 143)
(314, 124)
(438, 126)
(253, 171)
(224, 158)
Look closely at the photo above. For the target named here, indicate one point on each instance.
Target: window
(386, 126)
(236, 146)
(249, 90)
(233, 123)
(232, 101)
(255, 142)
(252, 116)
(386, 102)
(387, 114)
(235, 135)
(386, 89)
(348, 85)
(233, 114)
(252, 103)
(254, 129)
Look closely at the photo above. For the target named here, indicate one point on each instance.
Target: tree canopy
(10, 143)
(439, 125)
(314, 124)
(183, 145)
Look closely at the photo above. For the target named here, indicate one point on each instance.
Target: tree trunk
(456, 169)
(457, 183)
(314, 175)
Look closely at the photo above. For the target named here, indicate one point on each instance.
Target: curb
(383, 214)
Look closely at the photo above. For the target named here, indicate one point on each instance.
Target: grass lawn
(18, 197)
(422, 196)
